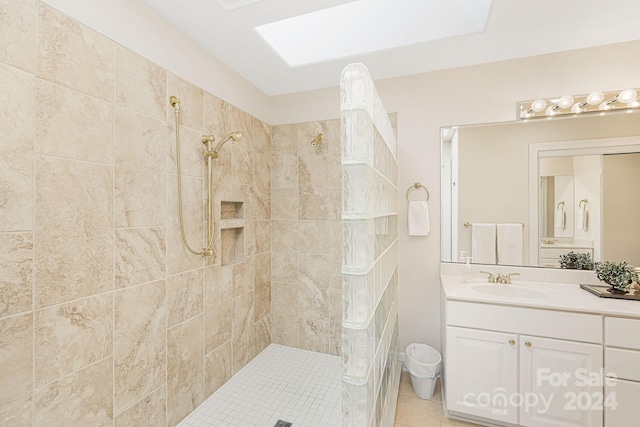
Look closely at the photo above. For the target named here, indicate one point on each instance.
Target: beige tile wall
(306, 287)
(105, 318)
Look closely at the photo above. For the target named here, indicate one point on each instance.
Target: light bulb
(577, 107)
(605, 106)
(538, 105)
(627, 96)
(565, 102)
(550, 111)
(595, 98)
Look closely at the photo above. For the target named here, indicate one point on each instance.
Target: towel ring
(560, 203)
(585, 201)
(417, 186)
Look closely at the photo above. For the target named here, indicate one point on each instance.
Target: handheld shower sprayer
(208, 139)
(236, 136)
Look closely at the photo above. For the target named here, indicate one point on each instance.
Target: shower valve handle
(206, 139)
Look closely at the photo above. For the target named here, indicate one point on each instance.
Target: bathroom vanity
(538, 353)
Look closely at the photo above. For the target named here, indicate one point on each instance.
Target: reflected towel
(418, 218)
(483, 243)
(560, 220)
(510, 244)
(583, 218)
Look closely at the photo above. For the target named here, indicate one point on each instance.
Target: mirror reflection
(527, 192)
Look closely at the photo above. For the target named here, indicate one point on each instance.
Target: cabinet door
(561, 383)
(481, 373)
(621, 404)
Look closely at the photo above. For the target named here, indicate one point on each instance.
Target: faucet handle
(508, 277)
(492, 278)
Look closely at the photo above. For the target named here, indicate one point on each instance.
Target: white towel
(583, 218)
(418, 218)
(560, 220)
(483, 243)
(510, 244)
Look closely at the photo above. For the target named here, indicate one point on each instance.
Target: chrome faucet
(506, 279)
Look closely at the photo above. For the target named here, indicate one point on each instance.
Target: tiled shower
(105, 319)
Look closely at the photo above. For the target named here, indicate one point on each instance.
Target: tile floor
(415, 412)
(281, 383)
(304, 388)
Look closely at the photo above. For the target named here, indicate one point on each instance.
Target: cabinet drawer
(626, 397)
(620, 332)
(528, 321)
(624, 364)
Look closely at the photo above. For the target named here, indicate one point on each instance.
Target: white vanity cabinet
(481, 364)
(622, 366)
(560, 372)
(522, 366)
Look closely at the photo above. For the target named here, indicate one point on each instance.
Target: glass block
(370, 253)
(357, 404)
(357, 132)
(356, 88)
(357, 192)
(386, 229)
(358, 299)
(357, 353)
(389, 263)
(358, 245)
(378, 407)
(383, 160)
(386, 131)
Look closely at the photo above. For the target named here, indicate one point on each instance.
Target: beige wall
(491, 185)
(105, 319)
(620, 207)
(307, 236)
(424, 103)
(134, 24)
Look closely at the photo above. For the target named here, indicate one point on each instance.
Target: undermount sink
(513, 291)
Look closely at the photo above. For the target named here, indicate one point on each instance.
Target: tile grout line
(113, 246)
(33, 219)
(166, 258)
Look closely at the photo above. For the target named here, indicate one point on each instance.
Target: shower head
(319, 137)
(237, 135)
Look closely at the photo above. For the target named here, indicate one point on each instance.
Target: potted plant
(576, 261)
(619, 276)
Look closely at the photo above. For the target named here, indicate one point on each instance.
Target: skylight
(366, 26)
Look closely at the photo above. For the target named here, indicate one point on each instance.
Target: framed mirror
(569, 182)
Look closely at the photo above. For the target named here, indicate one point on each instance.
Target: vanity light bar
(594, 102)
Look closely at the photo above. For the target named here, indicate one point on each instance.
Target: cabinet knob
(512, 342)
(527, 344)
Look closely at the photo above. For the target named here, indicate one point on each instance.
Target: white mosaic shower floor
(281, 383)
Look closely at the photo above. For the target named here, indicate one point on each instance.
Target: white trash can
(423, 363)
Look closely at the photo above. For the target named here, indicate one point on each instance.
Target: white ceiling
(515, 29)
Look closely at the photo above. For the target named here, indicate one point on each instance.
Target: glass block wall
(371, 369)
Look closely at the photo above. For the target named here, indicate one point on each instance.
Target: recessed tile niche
(232, 232)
